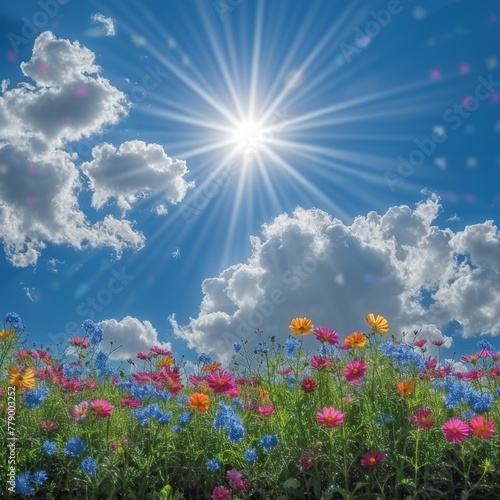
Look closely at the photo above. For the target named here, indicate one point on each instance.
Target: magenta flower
(236, 480)
(79, 412)
(322, 362)
(220, 381)
(372, 459)
(308, 384)
(455, 430)
(324, 334)
(102, 408)
(306, 460)
(421, 418)
(266, 411)
(354, 371)
(221, 493)
(79, 342)
(144, 355)
(130, 402)
(330, 417)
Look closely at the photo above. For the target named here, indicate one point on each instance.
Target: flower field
(364, 415)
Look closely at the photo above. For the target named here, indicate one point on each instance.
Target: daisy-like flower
(330, 417)
(354, 371)
(420, 342)
(482, 427)
(22, 380)
(372, 459)
(285, 371)
(79, 342)
(130, 402)
(166, 361)
(405, 388)
(220, 381)
(48, 425)
(308, 384)
(324, 334)
(234, 392)
(438, 343)
(421, 418)
(7, 334)
(221, 493)
(455, 430)
(306, 460)
(160, 351)
(79, 412)
(356, 339)
(379, 324)
(102, 408)
(210, 367)
(322, 363)
(199, 402)
(266, 411)
(301, 326)
(144, 355)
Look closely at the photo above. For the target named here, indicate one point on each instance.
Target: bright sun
(249, 136)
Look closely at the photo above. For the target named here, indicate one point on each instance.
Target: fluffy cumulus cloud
(132, 335)
(132, 171)
(397, 264)
(39, 180)
(105, 26)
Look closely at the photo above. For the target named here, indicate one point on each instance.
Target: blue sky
(144, 145)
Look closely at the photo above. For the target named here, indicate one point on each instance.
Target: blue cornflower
(290, 380)
(39, 477)
(236, 431)
(15, 321)
(93, 331)
(143, 391)
(49, 447)
(237, 402)
(89, 466)
(251, 455)
(212, 465)
(204, 358)
(269, 441)
(456, 392)
(404, 355)
(23, 483)
(237, 346)
(34, 398)
(260, 349)
(100, 362)
(165, 417)
(291, 346)
(182, 400)
(74, 446)
(484, 344)
(223, 416)
(185, 418)
(164, 395)
(481, 402)
(468, 414)
(383, 418)
(176, 429)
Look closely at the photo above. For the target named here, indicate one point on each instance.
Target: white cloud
(131, 334)
(105, 25)
(132, 171)
(397, 264)
(161, 209)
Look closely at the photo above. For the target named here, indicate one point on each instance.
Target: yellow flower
(211, 367)
(379, 324)
(356, 339)
(6, 334)
(264, 395)
(301, 326)
(166, 361)
(20, 380)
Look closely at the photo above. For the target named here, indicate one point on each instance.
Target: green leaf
(292, 483)
(107, 489)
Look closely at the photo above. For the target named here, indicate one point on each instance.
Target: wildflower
(48, 425)
(74, 446)
(102, 408)
(322, 363)
(212, 465)
(301, 326)
(198, 402)
(269, 441)
(404, 355)
(21, 380)
(211, 367)
(49, 447)
(266, 411)
(438, 343)
(455, 430)
(372, 459)
(291, 346)
(14, 320)
(89, 466)
(185, 418)
(481, 402)
(330, 417)
(221, 493)
(234, 392)
(482, 427)
(166, 361)
(328, 335)
(237, 346)
(130, 402)
(79, 412)
(356, 339)
(379, 324)
(484, 344)
(263, 395)
(420, 342)
(290, 380)
(220, 380)
(93, 331)
(308, 384)
(495, 372)
(285, 371)
(306, 460)
(383, 418)
(144, 355)
(7, 334)
(421, 418)
(405, 388)
(79, 342)
(23, 483)
(354, 371)
(34, 398)
(236, 480)
(204, 358)
(251, 455)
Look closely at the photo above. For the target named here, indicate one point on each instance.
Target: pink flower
(234, 392)
(472, 375)
(354, 371)
(455, 430)
(420, 342)
(495, 372)
(48, 425)
(160, 351)
(372, 459)
(220, 381)
(306, 459)
(102, 408)
(482, 427)
(308, 384)
(79, 342)
(79, 412)
(90, 384)
(322, 363)
(421, 418)
(330, 417)
(220, 493)
(438, 343)
(285, 371)
(235, 479)
(130, 402)
(72, 385)
(144, 355)
(324, 334)
(266, 411)
(2, 392)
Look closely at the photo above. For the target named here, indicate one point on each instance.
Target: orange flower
(204, 387)
(198, 402)
(6, 334)
(166, 361)
(301, 326)
(264, 395)
(20, 380)
(379, 324)
(356, 339)
(211, 367)
(405, 388)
